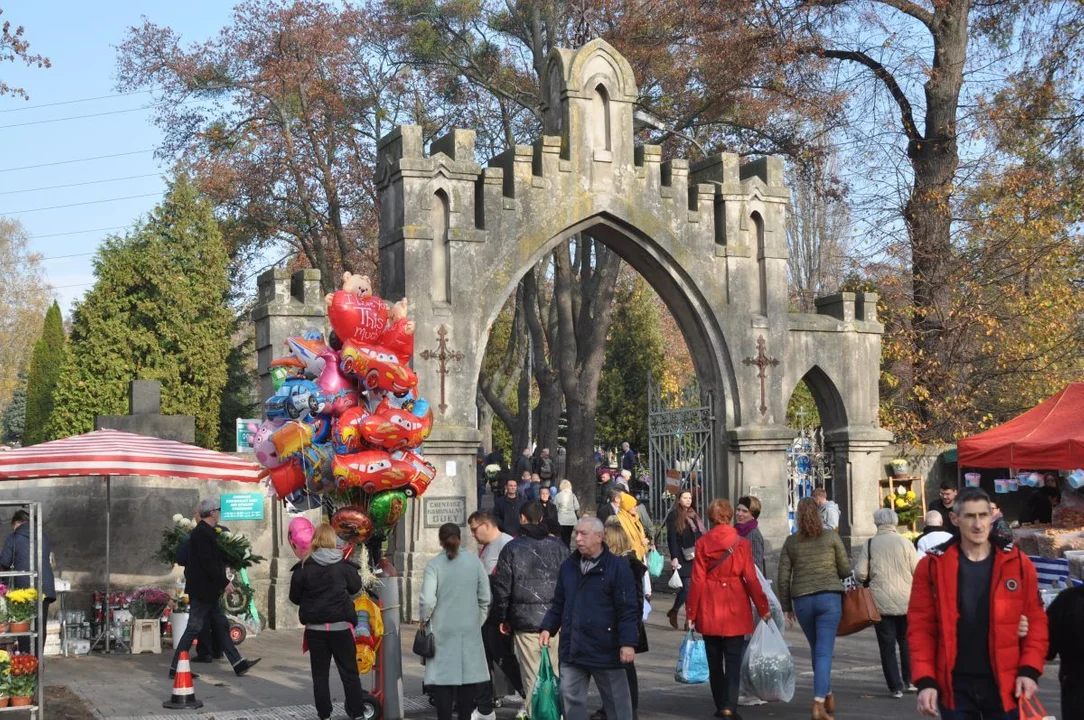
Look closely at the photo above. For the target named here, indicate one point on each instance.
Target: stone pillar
(857, 465)
(759, 467)
(287, 306)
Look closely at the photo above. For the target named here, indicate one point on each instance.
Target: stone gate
(456, 237)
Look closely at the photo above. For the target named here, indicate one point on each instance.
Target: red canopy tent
(105, 453)
(1050, 435)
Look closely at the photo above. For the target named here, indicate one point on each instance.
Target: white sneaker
(475, 715)
(897, 694)
(747, 701)
(522, 715)
(911, 688)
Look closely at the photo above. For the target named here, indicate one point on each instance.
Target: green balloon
(387, 507)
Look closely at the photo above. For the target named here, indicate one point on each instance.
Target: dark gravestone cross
(762, 361)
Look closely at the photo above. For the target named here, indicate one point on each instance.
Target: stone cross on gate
(443, 355)
(762, 361)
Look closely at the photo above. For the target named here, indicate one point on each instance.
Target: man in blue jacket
(596, 610)
(16, 556)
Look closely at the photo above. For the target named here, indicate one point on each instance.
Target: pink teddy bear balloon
(300, 536)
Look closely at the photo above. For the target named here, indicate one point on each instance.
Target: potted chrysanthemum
(22, 605)
(24, 679)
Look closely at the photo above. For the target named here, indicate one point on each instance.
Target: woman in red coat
(724, 581)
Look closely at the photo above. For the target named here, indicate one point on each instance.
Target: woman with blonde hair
(811, 565)
(723, 584)
(323, 586)
(617, 541)
(634, 528)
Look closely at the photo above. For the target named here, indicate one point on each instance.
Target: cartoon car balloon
(397, 429)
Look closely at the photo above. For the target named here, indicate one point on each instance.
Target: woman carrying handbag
(811, 565)
(454, 602)
(683, 529)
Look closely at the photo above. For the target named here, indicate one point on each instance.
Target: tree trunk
(584, 311)
(485, 421)
(547, 414)
(928, 213)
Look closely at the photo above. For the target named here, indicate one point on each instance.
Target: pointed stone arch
(831, 405)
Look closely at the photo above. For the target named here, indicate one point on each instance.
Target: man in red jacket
(968, 657)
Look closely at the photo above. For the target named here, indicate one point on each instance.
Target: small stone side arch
(830, 403)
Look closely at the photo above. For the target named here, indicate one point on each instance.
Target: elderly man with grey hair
(205, 581)
(933, 533)
(595, 591)
(886, 563)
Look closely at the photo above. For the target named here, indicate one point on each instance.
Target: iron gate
(809, 466)
(681, 447)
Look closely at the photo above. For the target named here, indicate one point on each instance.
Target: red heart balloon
(357, 317)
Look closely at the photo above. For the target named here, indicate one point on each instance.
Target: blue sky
(80, 38)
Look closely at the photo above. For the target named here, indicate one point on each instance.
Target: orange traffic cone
(184, 695)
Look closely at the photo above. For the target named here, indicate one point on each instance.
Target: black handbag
(424, 646)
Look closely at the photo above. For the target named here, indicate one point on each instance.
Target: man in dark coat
(507, 507)
(523, 585)
(209, 644)
(523, 464)
(205, 581)
(595, 608)
(16, 556)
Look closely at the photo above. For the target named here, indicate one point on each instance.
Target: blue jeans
(819, 615)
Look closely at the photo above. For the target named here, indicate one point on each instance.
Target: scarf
(634, 529)
(746, 527)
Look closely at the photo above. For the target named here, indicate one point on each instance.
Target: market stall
(108, 453)
(1050, 435)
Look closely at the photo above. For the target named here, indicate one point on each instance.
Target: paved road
(129, 687)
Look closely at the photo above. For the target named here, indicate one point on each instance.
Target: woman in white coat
(887, 561)
(568, 511)
(455, 600)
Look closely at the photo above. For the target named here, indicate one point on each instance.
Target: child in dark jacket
(323, 586)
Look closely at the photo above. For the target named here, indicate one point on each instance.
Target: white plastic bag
(675, 581)
(647, 596)
(768, 669)
(773, 603)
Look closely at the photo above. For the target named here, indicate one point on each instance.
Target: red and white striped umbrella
(113, 452)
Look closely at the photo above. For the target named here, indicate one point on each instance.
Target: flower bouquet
(172, 537)
(236, 550)
(22, 606)
(903, 501)
(23, 679)
(148, 603)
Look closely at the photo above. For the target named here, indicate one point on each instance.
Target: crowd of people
(962, 625)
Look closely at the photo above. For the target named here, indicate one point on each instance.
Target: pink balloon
(339, 389)
(300, 536)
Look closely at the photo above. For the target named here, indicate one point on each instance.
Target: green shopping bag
(546, 700)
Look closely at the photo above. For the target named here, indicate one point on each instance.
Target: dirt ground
(60, 702)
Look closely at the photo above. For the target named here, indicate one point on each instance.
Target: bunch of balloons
(345, 425)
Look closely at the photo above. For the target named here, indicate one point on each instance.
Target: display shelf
(34, 574)
(887, 485)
